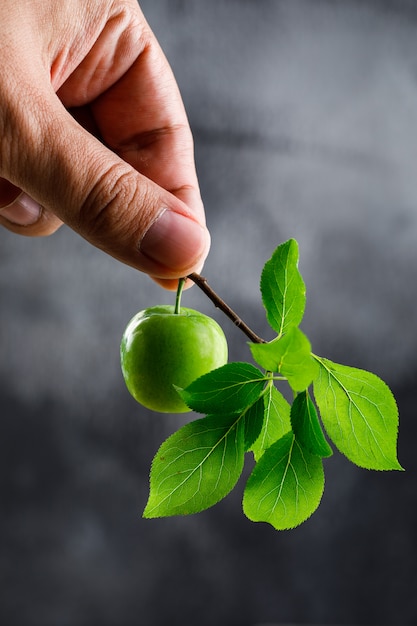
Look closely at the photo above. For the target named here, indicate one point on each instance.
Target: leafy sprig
(245, 412)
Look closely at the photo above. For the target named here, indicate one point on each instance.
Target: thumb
(72, 175)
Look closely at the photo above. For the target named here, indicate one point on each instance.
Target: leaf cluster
(244, 412)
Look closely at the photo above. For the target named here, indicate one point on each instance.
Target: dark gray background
(305, 122)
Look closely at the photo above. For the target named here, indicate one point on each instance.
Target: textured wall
(305, 121)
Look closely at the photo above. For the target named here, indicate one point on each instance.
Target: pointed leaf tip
(286, 485)
(359, 413)
(196, 467)
(276, 422)
(282, 288)
(306, 426)
(227, 389)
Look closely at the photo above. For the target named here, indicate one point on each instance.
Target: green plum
(162, 349)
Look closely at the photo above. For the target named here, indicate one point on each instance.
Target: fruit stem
(202, 283)
(181, 283)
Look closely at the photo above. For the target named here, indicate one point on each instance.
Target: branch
(202, 283)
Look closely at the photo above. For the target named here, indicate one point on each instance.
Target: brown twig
(218, 302)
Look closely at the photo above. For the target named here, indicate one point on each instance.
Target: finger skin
(123, 157)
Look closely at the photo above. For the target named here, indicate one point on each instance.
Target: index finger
(142, 118)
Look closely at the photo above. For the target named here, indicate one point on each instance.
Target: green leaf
(290, 356)
(197, 466)
(286, 485)
(306, 426)
(254, 419)
(359, 414)
(283, 289)
(276, 421)
(227, 389)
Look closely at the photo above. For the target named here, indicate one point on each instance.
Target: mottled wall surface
(305, 121)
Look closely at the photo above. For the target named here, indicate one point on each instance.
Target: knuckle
(120, 201)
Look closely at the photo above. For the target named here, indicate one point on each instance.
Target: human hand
(94, 135)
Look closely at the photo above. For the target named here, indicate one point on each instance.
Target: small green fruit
(161, 349)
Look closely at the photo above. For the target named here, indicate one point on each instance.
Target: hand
(94, 134)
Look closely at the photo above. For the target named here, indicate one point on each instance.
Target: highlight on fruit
(163, 349)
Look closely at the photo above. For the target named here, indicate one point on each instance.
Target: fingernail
(23, 211)
(174, 241)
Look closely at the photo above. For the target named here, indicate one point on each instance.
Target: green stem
(181, 283)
